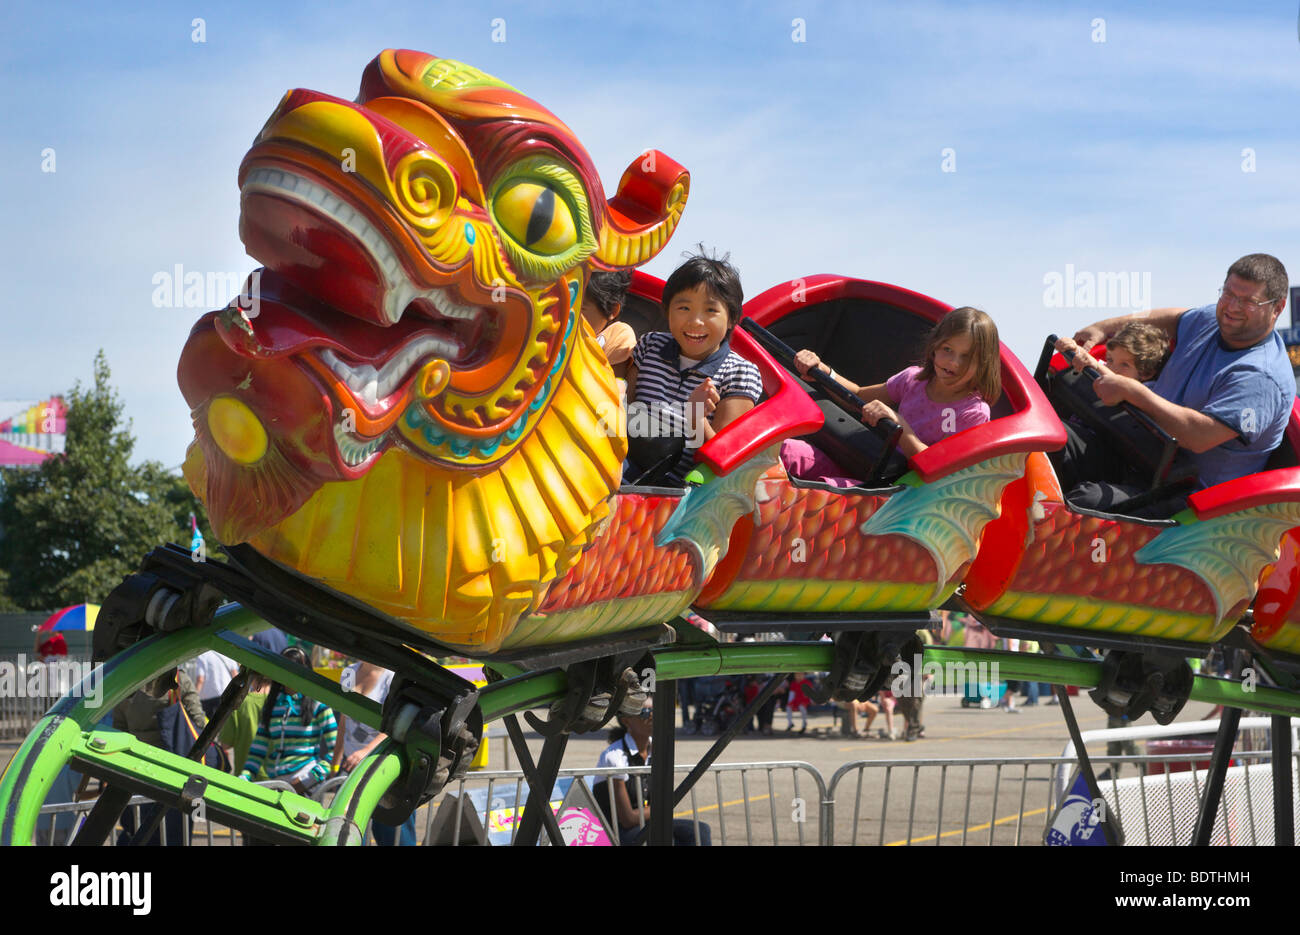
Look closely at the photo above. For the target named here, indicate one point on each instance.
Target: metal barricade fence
(969, 801)
(58, 824)
(1010, 801)
(29, 688)
(776, 806)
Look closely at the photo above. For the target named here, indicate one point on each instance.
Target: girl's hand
(875, 410)
(806, 360)
(706, 396)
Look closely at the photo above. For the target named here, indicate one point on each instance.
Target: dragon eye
(536, 217)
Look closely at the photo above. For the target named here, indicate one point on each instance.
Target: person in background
(272, 639)
(295, 737)
(798, 700)
(241, 727)
(356, 741)
(50, 644)
(886, 702)
(1008, 699)
(851, 711)
(138, 715)
(627, 741)
(602, 303)
(686, 700)
(213, 673)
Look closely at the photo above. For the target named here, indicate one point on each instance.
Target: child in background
(602, 303)
(798, 700)
(950, 392)
(1139, 351)
(295, 736)
(689, 376)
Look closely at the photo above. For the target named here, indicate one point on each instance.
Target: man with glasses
(1225, 393)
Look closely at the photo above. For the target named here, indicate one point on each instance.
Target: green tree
(80, 522)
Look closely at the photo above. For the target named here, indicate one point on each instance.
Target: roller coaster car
(903, 543)
(1052, 570)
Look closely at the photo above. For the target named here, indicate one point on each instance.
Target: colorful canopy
(76, 617)
(17, 456)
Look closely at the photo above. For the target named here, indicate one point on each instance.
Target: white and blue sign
(1077, 823)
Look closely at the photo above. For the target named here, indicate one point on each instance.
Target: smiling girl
(950, 392)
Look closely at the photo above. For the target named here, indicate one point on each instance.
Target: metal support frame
(102, 818)
(1283, 810)
(720, 744)
(662, 763)
(531, 777)
(539, 792)
(1229, 720)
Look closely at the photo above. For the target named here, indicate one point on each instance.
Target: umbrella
(76, 617)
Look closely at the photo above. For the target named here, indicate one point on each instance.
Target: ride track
(407, 443)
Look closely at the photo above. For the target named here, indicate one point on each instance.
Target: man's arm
(1194, 430)
(1163, 318)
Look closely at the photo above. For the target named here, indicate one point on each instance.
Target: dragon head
(410, 409)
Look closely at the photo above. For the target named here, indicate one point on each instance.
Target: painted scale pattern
(843, 570)
(622, 581)
(1062, 580)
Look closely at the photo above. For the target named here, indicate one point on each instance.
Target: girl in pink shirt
(947, 394)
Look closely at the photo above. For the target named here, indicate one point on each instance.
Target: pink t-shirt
(932, 422)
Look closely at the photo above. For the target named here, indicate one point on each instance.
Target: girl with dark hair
(602, 303)
(295, 737)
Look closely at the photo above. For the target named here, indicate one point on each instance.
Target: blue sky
(826, 155)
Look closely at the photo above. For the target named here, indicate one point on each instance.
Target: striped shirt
(284, 746)
(664, 382)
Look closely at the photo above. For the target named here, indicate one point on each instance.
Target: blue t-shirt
(1249, 390)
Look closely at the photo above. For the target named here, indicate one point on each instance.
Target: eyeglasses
(1237, 301)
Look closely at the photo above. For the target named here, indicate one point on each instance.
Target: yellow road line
(972, 830)
(708, 808)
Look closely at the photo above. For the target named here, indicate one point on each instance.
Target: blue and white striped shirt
(665, 380)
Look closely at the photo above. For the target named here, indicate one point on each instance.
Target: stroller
(720, 710)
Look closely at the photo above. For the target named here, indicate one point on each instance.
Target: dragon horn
(645, 211)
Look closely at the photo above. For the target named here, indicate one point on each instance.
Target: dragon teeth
(370, 384)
